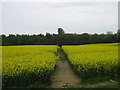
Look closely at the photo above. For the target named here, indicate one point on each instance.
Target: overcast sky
(73, 17)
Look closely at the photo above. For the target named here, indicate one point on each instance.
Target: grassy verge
(62, 55)
(106, 85)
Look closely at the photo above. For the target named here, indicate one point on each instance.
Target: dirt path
(64, 76)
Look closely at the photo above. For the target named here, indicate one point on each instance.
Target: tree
(60, 39)
(60, 31)
(109, 32)
(118, 31)
(118, 35)
(48, 35)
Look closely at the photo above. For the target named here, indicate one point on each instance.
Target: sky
(73, 16)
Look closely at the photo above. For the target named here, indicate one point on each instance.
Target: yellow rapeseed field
(94, 60)
(24, 65)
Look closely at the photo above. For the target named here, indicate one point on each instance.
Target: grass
(36, 85)
(97, 80)
(103, 85)
(111, 85)
(62, 55)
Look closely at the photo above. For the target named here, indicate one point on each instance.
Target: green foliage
(59, 39)
(62, 55)
(60, 31)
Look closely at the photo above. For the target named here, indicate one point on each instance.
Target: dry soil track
(64, 76)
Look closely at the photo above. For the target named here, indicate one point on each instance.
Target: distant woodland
(60, 39)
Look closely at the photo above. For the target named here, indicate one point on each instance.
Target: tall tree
(109, 32)
(60, 31)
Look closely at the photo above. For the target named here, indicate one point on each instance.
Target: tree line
(60, 39)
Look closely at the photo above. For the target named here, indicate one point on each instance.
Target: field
(25, 65)
(94, 60)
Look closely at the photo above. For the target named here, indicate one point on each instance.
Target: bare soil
(63, 76)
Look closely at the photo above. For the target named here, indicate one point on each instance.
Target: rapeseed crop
(25, 65)
(94, 60)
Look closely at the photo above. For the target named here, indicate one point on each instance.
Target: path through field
(64, 76)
